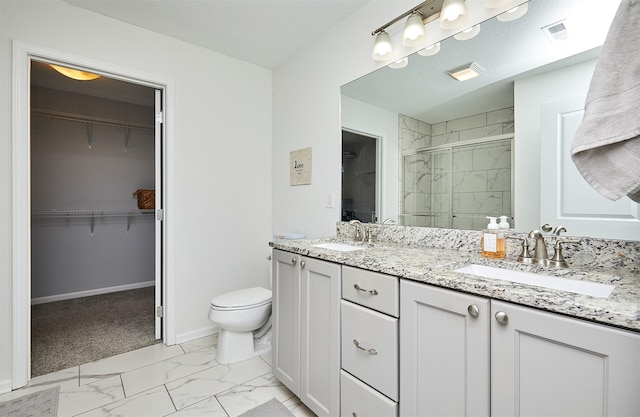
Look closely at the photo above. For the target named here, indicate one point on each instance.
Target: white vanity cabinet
(370, 307)
(444, 352)
(544, 364)
(306, 329)
(457, 351)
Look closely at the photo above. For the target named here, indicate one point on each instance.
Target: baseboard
(5, 386)
(196, 334)
(88, 293)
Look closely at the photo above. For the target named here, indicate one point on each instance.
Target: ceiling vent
(556, 32)
(466, 72)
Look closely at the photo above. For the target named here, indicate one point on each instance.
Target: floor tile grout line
(175, 408)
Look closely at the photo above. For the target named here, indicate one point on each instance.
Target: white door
(544, 364)
(444, 352)
(565, 197)
(320, 336)
(159, 210)
(286, 319)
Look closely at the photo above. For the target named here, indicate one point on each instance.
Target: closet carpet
(74, 332)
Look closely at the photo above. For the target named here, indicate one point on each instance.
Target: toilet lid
(248, 297)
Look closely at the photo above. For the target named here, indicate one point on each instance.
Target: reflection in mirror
(358, 177)
(466, 150)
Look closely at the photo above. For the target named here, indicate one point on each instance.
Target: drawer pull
(372, 292)
(369, 351)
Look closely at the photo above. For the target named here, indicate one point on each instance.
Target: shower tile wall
(481, 182)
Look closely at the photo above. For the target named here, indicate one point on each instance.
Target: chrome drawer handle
(372, 292)
(369, 351)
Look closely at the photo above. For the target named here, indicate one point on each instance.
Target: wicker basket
(146, 199)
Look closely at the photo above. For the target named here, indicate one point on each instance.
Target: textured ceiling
(262, 32)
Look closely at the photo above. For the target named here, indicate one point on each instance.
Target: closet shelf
(92, 215)
(91, 121)
(41, 214)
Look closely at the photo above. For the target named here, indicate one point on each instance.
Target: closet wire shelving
(90, 122)
(93, 214)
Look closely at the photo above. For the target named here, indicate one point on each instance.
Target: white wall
(306, 110)
(365, 118)
(221, 140)
(530, 95)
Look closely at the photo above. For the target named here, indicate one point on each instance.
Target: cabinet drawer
(371, 289)
(370, 347)
(360, 400)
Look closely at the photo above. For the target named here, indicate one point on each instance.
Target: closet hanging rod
(86, 119)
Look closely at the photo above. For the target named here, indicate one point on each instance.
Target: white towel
(606, 146)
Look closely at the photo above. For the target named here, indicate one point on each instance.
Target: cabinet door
(444, 352)
(543, 364)
(286, 319)
(320, 336)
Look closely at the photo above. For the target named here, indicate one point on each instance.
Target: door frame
(23, 53)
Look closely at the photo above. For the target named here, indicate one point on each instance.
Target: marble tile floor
(159, 380)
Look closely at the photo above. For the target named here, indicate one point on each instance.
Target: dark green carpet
(73, 332)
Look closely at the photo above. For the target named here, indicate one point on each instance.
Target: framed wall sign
(300, 167)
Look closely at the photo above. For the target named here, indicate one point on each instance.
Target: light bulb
(414, 32)
(382, 47)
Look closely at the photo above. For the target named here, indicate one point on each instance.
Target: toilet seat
(242, 299)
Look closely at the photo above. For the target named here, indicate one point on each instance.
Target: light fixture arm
(402, 16)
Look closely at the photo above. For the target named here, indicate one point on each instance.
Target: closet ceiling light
(513, 14)
(430, 50)
(466, 72)
(74, 73)
(414, 32)
(468, 33)
(382, 47)
(401, 63)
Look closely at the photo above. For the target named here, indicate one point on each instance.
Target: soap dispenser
(493, 242)
(503, 223)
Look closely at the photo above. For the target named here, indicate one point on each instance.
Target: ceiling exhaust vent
(556, 32)
(466, 72)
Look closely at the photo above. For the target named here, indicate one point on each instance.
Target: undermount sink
(593, 289)
(341, 247)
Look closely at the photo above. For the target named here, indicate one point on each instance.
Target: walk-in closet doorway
(79, 198)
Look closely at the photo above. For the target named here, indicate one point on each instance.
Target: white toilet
(242, 316)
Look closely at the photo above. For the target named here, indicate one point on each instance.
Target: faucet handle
(546, 227)
(525, 256)
(558, 260)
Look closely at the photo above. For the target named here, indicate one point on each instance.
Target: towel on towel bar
(606, 146)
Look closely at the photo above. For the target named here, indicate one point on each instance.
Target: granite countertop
(436, 267)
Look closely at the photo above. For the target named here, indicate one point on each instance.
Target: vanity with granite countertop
(415, 323)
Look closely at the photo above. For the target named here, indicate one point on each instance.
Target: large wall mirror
(453, 152)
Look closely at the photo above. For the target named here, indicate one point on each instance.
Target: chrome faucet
(360, 231)
(389, 220)
(540, 255)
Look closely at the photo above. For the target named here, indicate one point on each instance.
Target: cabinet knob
(293, 261)
(473, 310)
(302, 264)
(501, 317)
